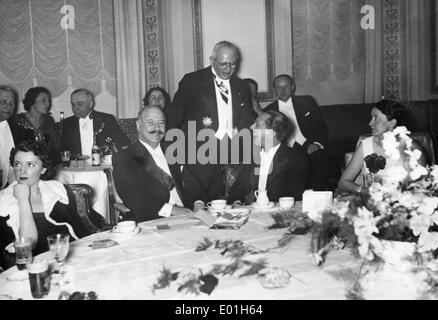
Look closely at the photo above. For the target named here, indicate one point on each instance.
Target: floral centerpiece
(395, 223)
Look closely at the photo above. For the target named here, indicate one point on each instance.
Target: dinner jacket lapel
(299, 112)
(208, 95)
(144, 158)
(236, 96)
(278, 163)
(76, 135)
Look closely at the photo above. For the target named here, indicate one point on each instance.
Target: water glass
(39, 279)
(23, 252)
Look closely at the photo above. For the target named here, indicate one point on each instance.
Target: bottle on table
(95, 155)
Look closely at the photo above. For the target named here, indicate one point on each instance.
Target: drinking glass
(59, 245)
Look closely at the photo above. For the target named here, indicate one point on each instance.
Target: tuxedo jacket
(71, 137)
(287, 177)
(309, 118)
(139, 182)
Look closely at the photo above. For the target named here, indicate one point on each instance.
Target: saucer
(255, 205)
(217, 210)
(119, 234)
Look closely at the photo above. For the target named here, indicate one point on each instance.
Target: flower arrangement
(109, 148)
(401, 207)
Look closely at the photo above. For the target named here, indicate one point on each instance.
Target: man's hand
(22, 192)
(312, 148)
(179, 211)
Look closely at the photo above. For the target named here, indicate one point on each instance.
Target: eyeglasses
(223, 65)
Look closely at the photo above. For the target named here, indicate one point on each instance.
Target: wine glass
(59, 245)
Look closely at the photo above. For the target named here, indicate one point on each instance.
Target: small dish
(236, 212)
(255, 205)
(19, 275)
(119, 234)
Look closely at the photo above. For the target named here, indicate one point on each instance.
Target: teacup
(217, 204)
(262, 197)
(286, 202)
(125, 226)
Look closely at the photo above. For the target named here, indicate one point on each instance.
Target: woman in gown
(385, 116)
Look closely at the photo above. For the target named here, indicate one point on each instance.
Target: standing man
(311, 130)
(147, 184)
(212, 98)
(80, 129)
(8, 132)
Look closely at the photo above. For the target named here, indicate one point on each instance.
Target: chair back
(82, 194)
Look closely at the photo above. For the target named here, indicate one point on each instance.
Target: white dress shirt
(87, 134)
(6, 144)
(288, 109)
(265, 165)
(160, 160)
(224, 110)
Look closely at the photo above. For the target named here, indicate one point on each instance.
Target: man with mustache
(146, 183)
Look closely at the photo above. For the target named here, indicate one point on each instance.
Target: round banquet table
(129, 270)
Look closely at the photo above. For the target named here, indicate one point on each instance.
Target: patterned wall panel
(154, 43)
(392, 73)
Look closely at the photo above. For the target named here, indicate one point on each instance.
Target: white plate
(238, 211)
(18, 275)
(119, 234)
(255, 205)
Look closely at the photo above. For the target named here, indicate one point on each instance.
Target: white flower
(417, 172)
(340, 208)
(428, 241)
(434, 173)
(419, 223)
(395, 174)
(402, 131)
(207, 122)
(428, 205)
(391, 145)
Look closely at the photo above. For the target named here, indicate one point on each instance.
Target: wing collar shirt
(224, 110)
(6, 144)
(288, 109)
(87, 134)
(160, 160)
(265, 165)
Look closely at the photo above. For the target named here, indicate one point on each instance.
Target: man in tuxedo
(8, 132)
(311, 130)
(213, 98)
(282, 171)
(79, 130)
(144, 180)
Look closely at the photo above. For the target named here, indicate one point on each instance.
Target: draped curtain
(130, 57)
(331, 52)
(36, 50)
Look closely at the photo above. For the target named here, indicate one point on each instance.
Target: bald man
(213, 98)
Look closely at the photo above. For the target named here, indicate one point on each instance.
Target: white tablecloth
(129, 269)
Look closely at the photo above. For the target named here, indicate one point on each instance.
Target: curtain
(36, 50)
(329, 50)
(130, 57)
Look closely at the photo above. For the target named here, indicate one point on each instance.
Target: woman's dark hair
(163, 92)
(40, 150)
(32, 94)
(281, 125)
(394, 110)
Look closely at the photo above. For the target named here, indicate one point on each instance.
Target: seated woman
(33, 208)
(157, 96)
(36, 123)
(385, 116)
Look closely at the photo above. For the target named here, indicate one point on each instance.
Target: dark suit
(140, 184)
(287, 177)
(195, 100)
(71, 137)
(314, 129)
